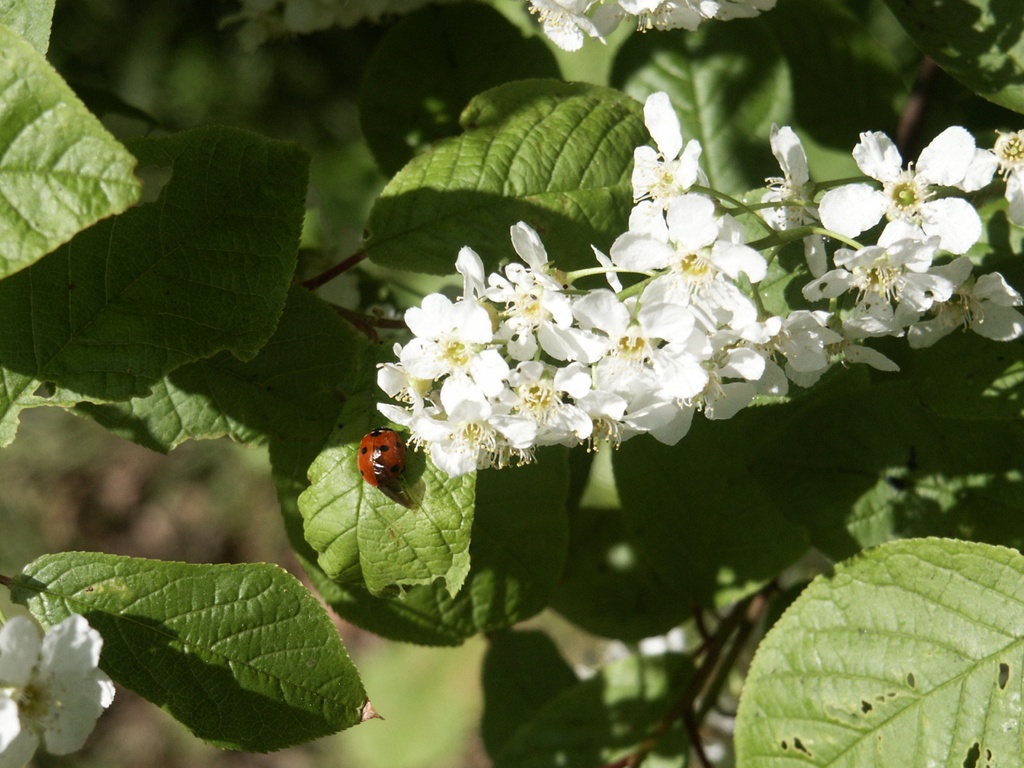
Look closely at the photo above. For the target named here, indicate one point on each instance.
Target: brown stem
(341, 267)
(908, 133)
(368, 324)
(740, 622)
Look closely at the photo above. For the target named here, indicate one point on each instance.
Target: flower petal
(946, 159)
(20, 644)
(877, 156)
(663, 124)
(790, 153)
(851, 209)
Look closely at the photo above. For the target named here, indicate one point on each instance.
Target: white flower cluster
(525, 358)
(566, 22)
(50, 688)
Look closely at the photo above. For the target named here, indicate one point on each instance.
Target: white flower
(667, 420)
(567, 25)
(670, 14)
(1009, 152)
(703, 254)
(605, 410)
(536, 392)
(471, 267)
(671, 169)
(653, 348)
(985, 305)
(794, 189)
(804, 341)
(51, 689)
(907, 196)
(470, 432)
(536, 309)
(450, 339)
(884, 275)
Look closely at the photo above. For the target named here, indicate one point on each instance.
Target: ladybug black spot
(396, 469)
(364, 449)
(384, 448)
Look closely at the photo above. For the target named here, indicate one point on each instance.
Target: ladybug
(382, 462)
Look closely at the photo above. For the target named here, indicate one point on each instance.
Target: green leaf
(204, 268)
(242, 655)
(889, 467)
(965, 376)
(293, 389)
(909, 654)
(361, 535)
(515, 558)
(522, 671)
(979, 42)
(558, 156)
(859, 87)
(29, 18)
(439, 58)
(60, 170)
(608, 588)
(605, 718)
(700, 514)
(725, 96)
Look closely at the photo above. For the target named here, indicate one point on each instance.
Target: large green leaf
(29, 18)
(608, 588)
(979, 42)
(243, 655)
(887, 467)
(556, 155)
(362, 535)
(909, 654)
(859, 87)
(60, 170)
(439, 58)
(293, 389)
(699, 513)
(204, 268)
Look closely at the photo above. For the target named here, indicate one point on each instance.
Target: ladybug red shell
(382, 463)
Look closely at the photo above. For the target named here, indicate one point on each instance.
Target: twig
(908, 133)
(341, 267)
(732, 633)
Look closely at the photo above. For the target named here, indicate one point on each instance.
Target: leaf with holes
(909, 654)
(243, 655)
(558, 156)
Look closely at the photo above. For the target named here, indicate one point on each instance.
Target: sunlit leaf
(909, 654)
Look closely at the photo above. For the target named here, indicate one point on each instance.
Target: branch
(732, 633)
(340, 268)
(908, 133)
